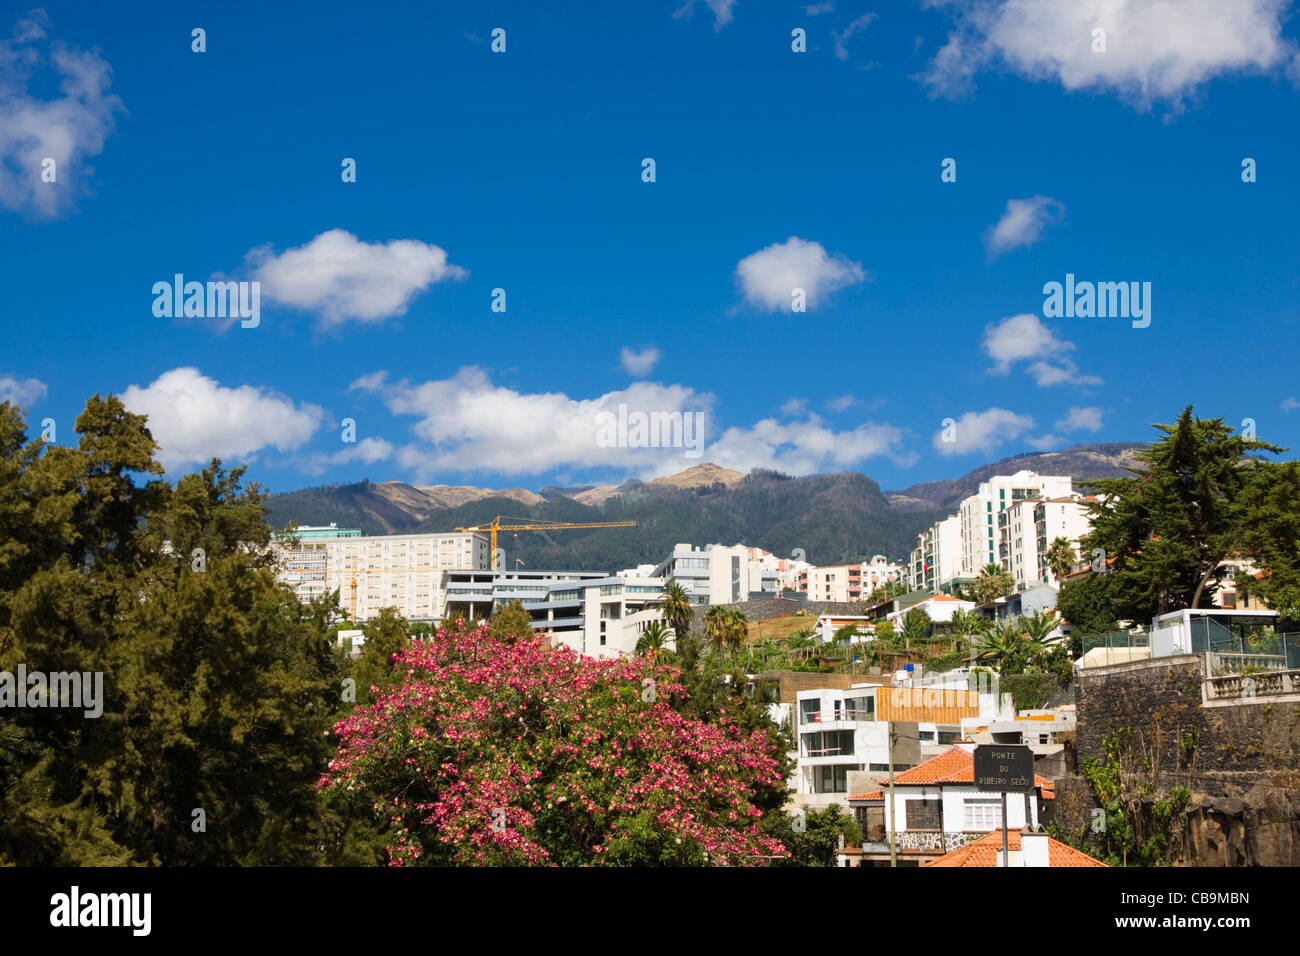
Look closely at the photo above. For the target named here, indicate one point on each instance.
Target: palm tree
(1060, 558)
(717, 628)
(1001, 641)
(1039, 625)
(654, 640)
(675, 605)
(993, 582)
(737, 631)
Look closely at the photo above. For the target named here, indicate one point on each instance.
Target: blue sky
(522, 171)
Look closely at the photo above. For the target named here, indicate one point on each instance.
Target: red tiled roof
(957, 766)
(873, 795)
(984, 852)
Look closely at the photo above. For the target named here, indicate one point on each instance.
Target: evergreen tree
(1167, 530)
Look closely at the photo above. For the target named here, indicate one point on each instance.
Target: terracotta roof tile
(873, 795)
(984, 852)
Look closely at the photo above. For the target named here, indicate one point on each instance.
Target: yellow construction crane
(495, 525)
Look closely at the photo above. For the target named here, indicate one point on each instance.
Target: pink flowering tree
(504, 751)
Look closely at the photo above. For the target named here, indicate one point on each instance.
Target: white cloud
(193, 418)
(721, 10)
(841, 403)
(639, 363)
(340, 277)
(1045, 442)
(67, 128)
(981, 431)
(806, 447)
(1024, 337)
(21, 392)
(1155, 50)
(1063, 372)
(794, 406)
(1290, 404)
(368, 451)
(842, 37)
(768, 277)
(466, 423)
(1022, 223)
(1080, 419)
(817, 9)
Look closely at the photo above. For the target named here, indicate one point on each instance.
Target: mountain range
(833, 518)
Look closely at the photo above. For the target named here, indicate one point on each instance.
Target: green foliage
(917, 626)
(219, 686)
(1201, 495)
(511, 621)
(1061, 557)
(1086, 604)
(373, 670)
(1029, 691)
(1141, 829)
(992, 582)
(655, 640)
(818, 844)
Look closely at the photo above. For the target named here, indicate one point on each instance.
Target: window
(833, 779)
(982, 814)
(948, 736)
(925, 814)
(809, 710)
(828, 743)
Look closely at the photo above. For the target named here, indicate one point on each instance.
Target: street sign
(1004, 768)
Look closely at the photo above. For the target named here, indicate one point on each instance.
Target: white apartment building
(405, 571)
(979, 512)
(1026, 529)
(842, 732)
(938, 556)
(601, 616)
(717, 574)
(480, 594)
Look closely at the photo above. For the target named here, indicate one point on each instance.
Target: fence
(1117, 646)
(1251, 649)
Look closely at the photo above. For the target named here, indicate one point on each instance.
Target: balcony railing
(1253, 686)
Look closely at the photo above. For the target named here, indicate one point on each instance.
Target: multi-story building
(405, 571)
(717, 574)
(979, 512)
(601, 616)
(481, 593)
(1026, 530)
(841, 732)
(847, 582)
(937, 558)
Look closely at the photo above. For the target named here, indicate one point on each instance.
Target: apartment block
(847, 582)
(937, 558)
(978, 513)
(371, 572)
(717, 574)
(600, 616)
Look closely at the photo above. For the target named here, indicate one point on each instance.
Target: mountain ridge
(833, 518)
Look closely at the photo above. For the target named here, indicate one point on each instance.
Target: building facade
(978, 513)
(371, 572)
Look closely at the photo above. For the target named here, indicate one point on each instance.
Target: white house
(937, 809)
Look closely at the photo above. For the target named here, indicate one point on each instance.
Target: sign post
(1005, 768)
